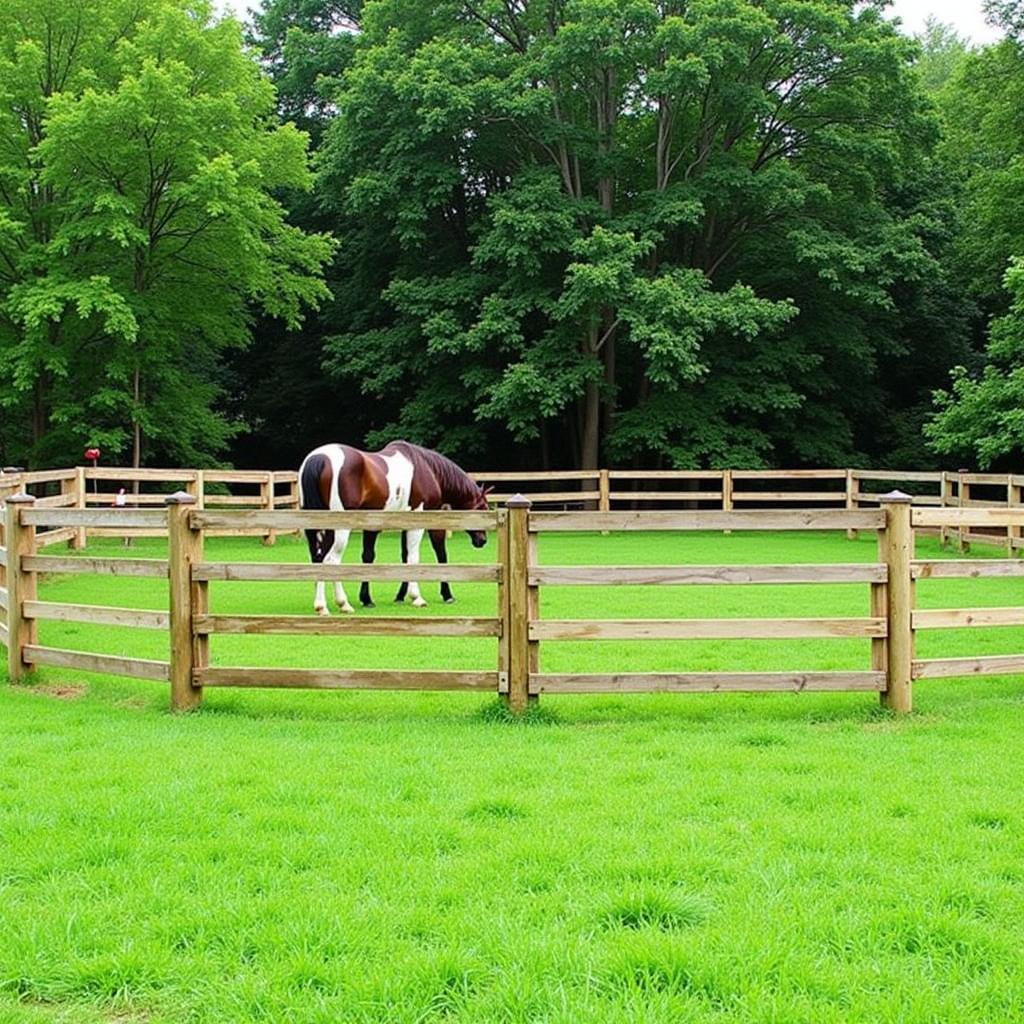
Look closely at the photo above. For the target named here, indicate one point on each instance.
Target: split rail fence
(517, 626)
(603, 490)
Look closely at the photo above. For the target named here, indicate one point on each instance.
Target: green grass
(398, 857)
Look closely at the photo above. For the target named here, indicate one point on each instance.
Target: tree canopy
(529, 232)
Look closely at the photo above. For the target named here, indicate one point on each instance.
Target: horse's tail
(309, 481)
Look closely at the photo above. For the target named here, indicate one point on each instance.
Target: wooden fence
(603, 490)
(517, 626)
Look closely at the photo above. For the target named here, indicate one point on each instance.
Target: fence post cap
(518, 501)
(180, 498)
(20, 499)
(895, 498)
(13, 469)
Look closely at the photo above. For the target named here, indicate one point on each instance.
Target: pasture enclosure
(518, 628)
(603, 490)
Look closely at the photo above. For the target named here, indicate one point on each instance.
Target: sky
(964, 15)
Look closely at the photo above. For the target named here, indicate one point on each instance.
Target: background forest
(533, 233)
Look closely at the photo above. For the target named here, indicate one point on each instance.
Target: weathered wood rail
(602, 490)
(517, 627)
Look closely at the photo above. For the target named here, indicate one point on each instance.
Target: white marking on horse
(336, 456)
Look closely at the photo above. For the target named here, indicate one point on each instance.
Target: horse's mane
(454, 481)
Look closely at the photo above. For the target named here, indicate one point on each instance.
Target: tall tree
(670, 225)
(157, 167)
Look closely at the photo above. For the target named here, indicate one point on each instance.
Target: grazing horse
(400, 477)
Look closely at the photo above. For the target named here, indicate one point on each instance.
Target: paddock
(884, 621)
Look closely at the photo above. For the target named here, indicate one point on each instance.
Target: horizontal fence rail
(517, 628)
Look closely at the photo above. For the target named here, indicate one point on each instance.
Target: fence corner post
(898, 547)
(80, 539)
(22, 632)
(184, 549)
(517, 595)
(851, 500)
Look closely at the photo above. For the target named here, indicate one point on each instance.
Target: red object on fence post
(897, 543)
(22, 632)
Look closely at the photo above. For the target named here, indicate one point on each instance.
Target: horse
(399, 477)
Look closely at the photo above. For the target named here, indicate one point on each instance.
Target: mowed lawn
(290, 856)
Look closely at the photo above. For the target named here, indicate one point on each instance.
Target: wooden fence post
(945, 498)
(851, 501)
(963, 494)
(79, 541)
(1011, 531)
(184, 549)
(897, 541)
(1015, 533)
(605, 501)
(267, 502)
(21, 586)
(517, 591)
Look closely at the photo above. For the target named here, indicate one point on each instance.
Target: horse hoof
(347, 609)
(367, 604)
(419, 603)
(399, 600)
(449, 600)
(321, 611)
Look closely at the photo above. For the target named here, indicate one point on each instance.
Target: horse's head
(480, 504)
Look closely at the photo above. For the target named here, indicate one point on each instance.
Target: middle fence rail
(517, 626)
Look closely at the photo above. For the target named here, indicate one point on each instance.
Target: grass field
(398, 857)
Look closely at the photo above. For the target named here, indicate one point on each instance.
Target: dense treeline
(529, 232)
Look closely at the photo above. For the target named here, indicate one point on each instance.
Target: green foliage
(674, 226)
(140, 225)
(983, 416)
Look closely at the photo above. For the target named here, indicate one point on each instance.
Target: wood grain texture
(965, 517)
(797, 497)
(967, 618)
(104, 616)
(951, 668)
(267, 520)
(897, 545)
(704, 629)
(167, 476)
(108, 664)
(106, 518)
(154, 568)
(294, 571)
(634, 575)
(349, 625)
(656, 496)
(184, 550)
(707, 682)
(824, 519)
(347, 679)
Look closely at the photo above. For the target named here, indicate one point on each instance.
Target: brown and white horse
(400, 477)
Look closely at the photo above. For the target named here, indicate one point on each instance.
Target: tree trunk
(136, 425)
(590, 442)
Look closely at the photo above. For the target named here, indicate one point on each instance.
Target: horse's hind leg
(369, 552)
(404, 588)
(415, 538)
(438, 540)
(334, 557)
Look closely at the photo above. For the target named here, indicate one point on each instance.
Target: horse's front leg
(404, 588)
(415, 538)
(438, 541)
(334, 557)
(369, 553)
